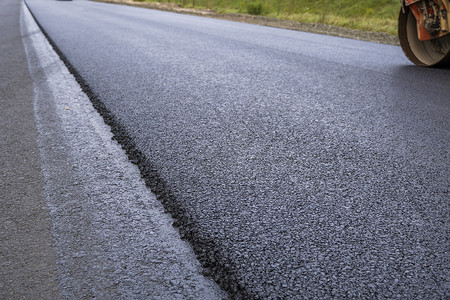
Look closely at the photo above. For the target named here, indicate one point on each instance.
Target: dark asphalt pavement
(297, 165)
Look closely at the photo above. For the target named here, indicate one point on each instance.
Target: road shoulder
(27, 257)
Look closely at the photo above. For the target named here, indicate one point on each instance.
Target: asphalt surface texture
(297, 165)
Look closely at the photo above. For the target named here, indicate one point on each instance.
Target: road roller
(423, 31)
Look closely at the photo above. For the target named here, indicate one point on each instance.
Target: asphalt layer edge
(202, 248)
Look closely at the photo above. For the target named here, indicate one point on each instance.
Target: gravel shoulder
(377, 37)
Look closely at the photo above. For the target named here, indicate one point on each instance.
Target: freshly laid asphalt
(297, 165)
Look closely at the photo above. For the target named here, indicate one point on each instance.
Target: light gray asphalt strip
(27, 257)
(112, 237)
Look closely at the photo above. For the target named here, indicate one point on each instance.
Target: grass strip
(368, 15)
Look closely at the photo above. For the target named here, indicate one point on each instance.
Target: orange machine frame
(423, 34)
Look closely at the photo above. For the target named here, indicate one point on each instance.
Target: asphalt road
(297, 165)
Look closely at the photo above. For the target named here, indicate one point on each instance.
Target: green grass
(370, 15)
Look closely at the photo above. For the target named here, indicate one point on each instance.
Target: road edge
(112, 236)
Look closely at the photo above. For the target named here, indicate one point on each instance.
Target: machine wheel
(432, 53)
